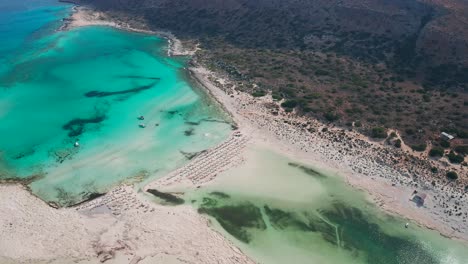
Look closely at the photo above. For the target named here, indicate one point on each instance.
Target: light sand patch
(129, 228)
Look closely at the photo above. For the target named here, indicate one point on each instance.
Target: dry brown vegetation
(399, 64)
(336, 88)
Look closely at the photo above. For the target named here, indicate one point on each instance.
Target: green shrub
(321, 72)
(462, 134)
(434, 170)
(445, 144)
(398, 143)
(426, 98)
(307, 109)
(259, 93)
(276, 96)
(379, 132)
(463, 150)
(436, 152)
(331, 116)
(454, 158)
(419, 147)
(452, 175)
(289, 104)
(313, 96)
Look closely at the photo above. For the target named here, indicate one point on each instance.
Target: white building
(446, 136)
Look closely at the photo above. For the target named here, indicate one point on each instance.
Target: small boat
(406, 225)
(77, 144)
(142, 125)
(141, 118)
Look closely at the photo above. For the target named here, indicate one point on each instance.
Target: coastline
(129, 212)
(84, 16)
(118, 227)
(386, 187)
(121, 226)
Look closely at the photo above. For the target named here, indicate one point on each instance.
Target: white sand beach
(363, 163)
(122, 227)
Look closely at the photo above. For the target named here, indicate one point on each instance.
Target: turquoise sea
(90, 85)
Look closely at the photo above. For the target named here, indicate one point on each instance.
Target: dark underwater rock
(133, 90)
(167, 197)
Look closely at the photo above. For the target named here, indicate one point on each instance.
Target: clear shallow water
(90, 85)
(279, 211)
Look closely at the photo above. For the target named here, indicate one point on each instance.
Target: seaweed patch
(356, 233)
(189, 132)
(281, 220)
(87, 197)
(138, 77)
(76, 126)
(192, 123)
(307, 170)
(24, 154)
(166, 197)
(8, 178)
(191, 155)
(128, 91)
(237, 219)
(220, 195)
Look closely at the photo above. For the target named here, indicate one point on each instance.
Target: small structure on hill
(419, 199)
(446, 136)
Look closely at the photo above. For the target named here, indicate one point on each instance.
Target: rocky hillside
(380, 63)
(427, 36)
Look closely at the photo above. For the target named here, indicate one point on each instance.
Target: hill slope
(391, 63)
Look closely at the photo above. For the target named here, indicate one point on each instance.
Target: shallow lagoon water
(89, 85)
(280, 211)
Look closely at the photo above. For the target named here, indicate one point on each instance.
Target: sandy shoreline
(121, 226)
(124, 226)
(83, 16)
(345, 153)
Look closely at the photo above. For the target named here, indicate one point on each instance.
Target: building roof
(447, 135)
